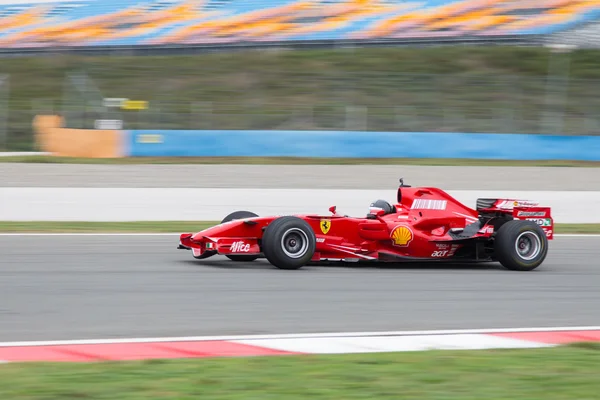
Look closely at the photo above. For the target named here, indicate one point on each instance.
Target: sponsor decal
(240, 247)
(325, 225)
(425, 204)
(442, 245)
(510, 204)
(134, 105)
(320, 240)
(446, 253)
(124, 103)
(196, 252)
(525, 203)
(402, 235)
(531, 214)
(110, 124)
(148, 138)
(453, 249)
(541, 221)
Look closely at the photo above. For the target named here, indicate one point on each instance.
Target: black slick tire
(240, 215)
(289, 243)
(520, 245)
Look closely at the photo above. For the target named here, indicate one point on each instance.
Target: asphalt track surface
(90, 287)
(298, 176)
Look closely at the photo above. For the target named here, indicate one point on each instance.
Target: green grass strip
(561, 373)
(177, 226)
(296, 161)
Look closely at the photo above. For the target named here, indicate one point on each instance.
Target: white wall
(178, 204)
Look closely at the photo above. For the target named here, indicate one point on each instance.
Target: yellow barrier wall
(86, 143)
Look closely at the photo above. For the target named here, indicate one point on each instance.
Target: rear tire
(240, 215)
(289, 243)
(521, 245)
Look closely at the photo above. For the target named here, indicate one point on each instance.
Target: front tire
(289, 243)
(521, 245)
(240, 215)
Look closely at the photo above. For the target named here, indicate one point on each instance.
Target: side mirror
(332, 209)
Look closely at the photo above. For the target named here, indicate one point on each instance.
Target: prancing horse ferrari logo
(325, 226)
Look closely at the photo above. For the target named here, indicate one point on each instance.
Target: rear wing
(520, 210)
(540, 215)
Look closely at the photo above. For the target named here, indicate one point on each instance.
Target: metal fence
(4, 93)
(553, 104)
(301, 99)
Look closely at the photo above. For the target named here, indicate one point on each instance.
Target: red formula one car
(425, 224)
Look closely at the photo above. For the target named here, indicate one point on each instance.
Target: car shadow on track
(228, 264)
(265, 265)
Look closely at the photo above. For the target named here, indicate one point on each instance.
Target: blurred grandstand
(175, 23)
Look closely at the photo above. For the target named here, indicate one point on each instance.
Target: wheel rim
(294, 243)
(528, 245)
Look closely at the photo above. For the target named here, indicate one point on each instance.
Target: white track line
(297, 336)
(577, 235)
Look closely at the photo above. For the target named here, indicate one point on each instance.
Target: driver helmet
(381, 205)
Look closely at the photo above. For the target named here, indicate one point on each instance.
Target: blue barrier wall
(182, 143)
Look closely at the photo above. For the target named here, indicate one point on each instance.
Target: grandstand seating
(168, 22)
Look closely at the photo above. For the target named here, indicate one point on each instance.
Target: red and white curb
(269, 345)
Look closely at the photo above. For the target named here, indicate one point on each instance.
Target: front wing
(336, 250)
(224, 246)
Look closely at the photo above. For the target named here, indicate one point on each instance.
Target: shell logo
(402, 235)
